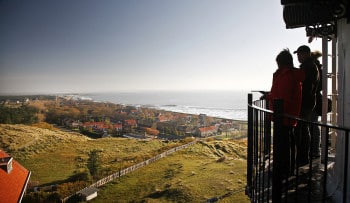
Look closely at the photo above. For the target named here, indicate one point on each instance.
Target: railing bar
(263, 151)
(321, 124)
(261, 165)
(256, 161)
(267, 129)
(250, 145)
(296, 182)
(253, 153)
(265, 145)
(257, 156)
(270, 152)
(311, 126)
(255, 137)
(346, 165)
(266, 154)
(325, 173)
(276, 176)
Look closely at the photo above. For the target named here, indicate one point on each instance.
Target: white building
(88, 194)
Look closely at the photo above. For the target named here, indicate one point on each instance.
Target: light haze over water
(222, 104)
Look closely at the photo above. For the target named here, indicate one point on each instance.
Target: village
(99, 120)
(103, 119)
(146, 123)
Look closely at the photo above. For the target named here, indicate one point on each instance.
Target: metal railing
(266, 179)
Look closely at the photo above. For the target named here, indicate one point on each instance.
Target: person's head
(316, 54)
(284, 58)
(303, 52)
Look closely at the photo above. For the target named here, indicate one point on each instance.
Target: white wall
(336, 176)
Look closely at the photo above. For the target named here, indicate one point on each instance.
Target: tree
(151, 131)
(94, 162)
(18, 115)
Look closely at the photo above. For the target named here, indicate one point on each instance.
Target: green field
(209, 169)
(190, 175)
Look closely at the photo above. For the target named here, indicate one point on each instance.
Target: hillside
(46, 151)
(213, 170)
(206, 170)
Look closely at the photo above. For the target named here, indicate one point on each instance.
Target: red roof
(130, 122)
(118, 126)
(98, 125)
(13, 184)
(207, 129)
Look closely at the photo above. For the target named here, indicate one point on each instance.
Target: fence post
(250, 145)
(277, 138)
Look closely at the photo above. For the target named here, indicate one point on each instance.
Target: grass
(189, 175)
(53, 156)
(209, 169)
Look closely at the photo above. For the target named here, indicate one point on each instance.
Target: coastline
(226, 104)
(221, 104)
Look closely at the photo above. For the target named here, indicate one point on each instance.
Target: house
(74, 124)
(330, 20)
(202, 119)
(166, 117)
(95, 126)
(13, 179)
(130, 123)
(88, 194)
(118, 127)
(208, 131)
(185, 130)
(133, 111)
(162, 118)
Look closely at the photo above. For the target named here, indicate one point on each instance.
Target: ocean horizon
(221, 104)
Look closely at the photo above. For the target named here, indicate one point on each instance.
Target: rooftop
(13, 184)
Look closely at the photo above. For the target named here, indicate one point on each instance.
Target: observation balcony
(309, 183)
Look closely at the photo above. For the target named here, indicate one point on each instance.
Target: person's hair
(316, 54)
(284, 58)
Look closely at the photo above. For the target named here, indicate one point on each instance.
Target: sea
(221, 104)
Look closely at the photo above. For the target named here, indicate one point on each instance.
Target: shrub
(43, 125)
(80, 176)
(221, 159)
(41, 197)
(210, 139)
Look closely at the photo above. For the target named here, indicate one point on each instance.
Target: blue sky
(80, 46)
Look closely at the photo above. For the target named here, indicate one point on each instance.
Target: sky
(84, 46)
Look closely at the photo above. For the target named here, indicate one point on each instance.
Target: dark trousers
(287, 151)
(315, 137)
(302, 139)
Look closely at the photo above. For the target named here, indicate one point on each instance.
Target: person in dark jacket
(308, 103)
(314, 130)
(287, 85)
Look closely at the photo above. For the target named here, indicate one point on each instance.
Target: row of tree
(18, 115)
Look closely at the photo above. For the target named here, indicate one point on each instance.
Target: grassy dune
(206, 170)
(54, 155)
(196, 174)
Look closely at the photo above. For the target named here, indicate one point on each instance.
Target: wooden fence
(131, 168)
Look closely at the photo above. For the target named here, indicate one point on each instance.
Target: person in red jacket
(287, 85)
